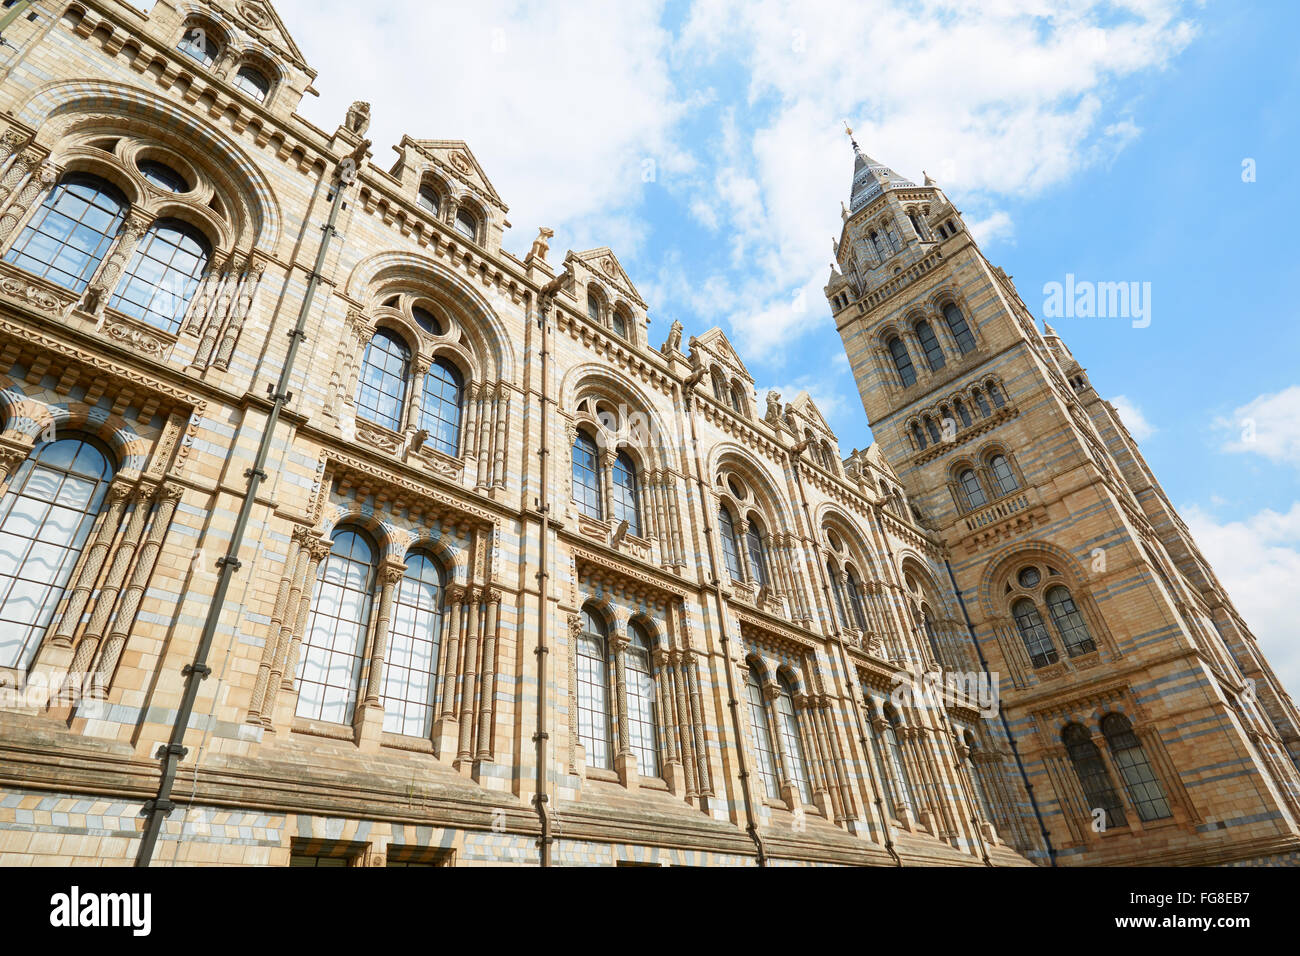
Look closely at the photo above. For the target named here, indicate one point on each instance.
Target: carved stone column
(691, 665)
(295, 563)
(624, 759)
(685, 724)
(301, 593)
(240, 310)
(491, 637)
(105, 278)
(606, 479)
(789, 791)
(444, 735)
(474, 598)
(119, 493)
(821, 792)
(370, 717)
(44, 179)
(12, 141)
(671, 771)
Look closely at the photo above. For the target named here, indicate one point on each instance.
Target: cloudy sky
(1129, 140)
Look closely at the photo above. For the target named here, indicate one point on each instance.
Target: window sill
(320, 728)
(421, 745)
(600, 773)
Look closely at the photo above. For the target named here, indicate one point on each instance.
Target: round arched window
(466, 224)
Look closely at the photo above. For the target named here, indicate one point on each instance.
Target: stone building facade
(518, 585)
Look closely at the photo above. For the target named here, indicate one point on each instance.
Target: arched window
(837, 591)
(196, 43)
(927, 625)
(875, 244)
(930, 343)
(918, 436)
(793, 740)
(66, 239)
(163, 274)
(381, 386)
(414, 635)
(1130, 760)
(972, 489)
(586, 475)
(624, 493)
(762, 730)
(855, 600)
(1069, 622)
(962, 413)
(757, 549)
(828, 456)
(902, 784)
(737, 399)
(426, 320)
(1037, 641)
(730, 550)
(902, 361)
(593, 306)
(719, 387)
(253, 82)
(642, 719)
(329, 672)
(593, 691)
(45, 518)
(981, 794)
(1004, 479)
(982, 404)
(916, 225)
(428, 198)
(960, 330)
(466, 224)
(933, 429)
(1090, 768)
(995, 393)
(620, 323)
(163, 176)
(440, 401)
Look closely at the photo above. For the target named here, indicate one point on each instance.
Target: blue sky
(702, 141)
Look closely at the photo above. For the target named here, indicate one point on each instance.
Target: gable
(716, 343)
(260, 21)
(605, 264)
(805, 406)
(455, 160)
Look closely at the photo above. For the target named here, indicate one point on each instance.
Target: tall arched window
(593, 691)
(763, 749)
(593, 306)
(1037, 641)
(982, 404)
(933, 429)
(466, 224)
(619, 321)
(730, 550)
(68, 236)
(329, 672)
(960, 330)
(837, 591)
(918, 436)
(902, 361)
(894, 754)
(757, 548)
(719, 387)
(972, 489)
(962, 413)
(428, 198)
(642, 719)
(931, 636)
(1130, 760)
(1090, 768)
(440, 402)
(45, 518)
(1003, 477)
(381, 386)
(981, 794)
(164, 272)
(1069, 622)
(930, 343)
(624, 494)
(586, 475)
(737, 399)
(196, 43)
(855, 599)
(411, 664)
(793, 740)
(253, 82)
(995, 393)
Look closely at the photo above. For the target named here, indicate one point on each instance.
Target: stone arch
(762, 486)
(391, 540)
(453, 558)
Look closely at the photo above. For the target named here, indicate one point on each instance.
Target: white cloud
(993, 98)
(996, 227)
(1268, 425)
(562, 104)
(1133, 419)
(1258, 562)
(828, 399)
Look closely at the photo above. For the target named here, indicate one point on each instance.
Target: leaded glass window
(593, 691)
(1069, 622)
(1037, 641)
(757, 549)
(197, 44)
(1131, 761)
(45, 518)
(1003, 477)
(642, 716)
(902, 361)
(625, 493)
(411, 664)
(440, 406)
(586, 475)
(930, 343)
(1090, 768)
(788, 722)
(960, 330)
(329, 673)
(68, 236)
(762, 732)
(855, 600)
(730, 551)
(381, 386)
(253, 82)
(971, 487)
(163, 275)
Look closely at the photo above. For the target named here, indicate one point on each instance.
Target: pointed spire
(870, 178)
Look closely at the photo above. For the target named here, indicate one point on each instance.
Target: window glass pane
(426, 320)
(163, 176)
(902, 361)
(1131, 761)
(466, 224)
(164, 272)
(329, 671)
(586, 476)
(855, 601)
(593, 693)
(624, 493)
(757, 552)
(252, 82)
(440, 402)
(1037, 641)
(1091, 771)
(415, 633)
(793, 741)
(837, 591)
(894, 754)
(1003, 476)
(381, 386)
(428, 198)
(730, 552)
(971, 486)
(197, 44)
(47, 516)
(960, 330)
(642, 720)
(67, 237)
(930, 343)
(1069, 622)
(763, 749)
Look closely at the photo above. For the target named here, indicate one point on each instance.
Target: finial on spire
(848, 131)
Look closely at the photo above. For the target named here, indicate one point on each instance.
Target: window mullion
(105, 278)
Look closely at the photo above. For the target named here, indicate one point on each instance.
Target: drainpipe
(545, 301)
(1006, 728)
(733, 704)
(849, 672)
(171, 753)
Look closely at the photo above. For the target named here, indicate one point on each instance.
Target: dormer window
(253, 82)
(427, 198)
(466, 224)
(196, 43)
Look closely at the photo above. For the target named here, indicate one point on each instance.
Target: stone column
(168, 499)
(499, 454)
(421, 369)
(297, 610)
(445, 735)
(294, 564)
(469, 676)
(691, 665)
(40, 182)
(606, 478)
(624, 759)
(817, 782)
(119, 493)
(12, 141)
(240, 310)
(672, 771)
(789, 791)
(105, 279)
(491, 637)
